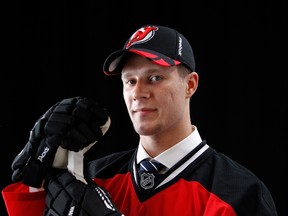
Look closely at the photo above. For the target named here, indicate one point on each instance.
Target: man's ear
(192, 83)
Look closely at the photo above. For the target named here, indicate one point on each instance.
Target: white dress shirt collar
(172, 155)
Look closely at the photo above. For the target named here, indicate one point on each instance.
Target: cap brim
(112, 64)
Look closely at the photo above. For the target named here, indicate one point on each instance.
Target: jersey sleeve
(20, 201)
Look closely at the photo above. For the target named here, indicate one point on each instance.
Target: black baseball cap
(163, 45)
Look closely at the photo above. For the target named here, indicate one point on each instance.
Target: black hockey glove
(68, 196)
(72, 123)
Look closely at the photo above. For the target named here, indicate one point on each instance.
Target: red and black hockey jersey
(213, 184)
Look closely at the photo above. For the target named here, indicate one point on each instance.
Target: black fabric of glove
(89, 117)
(72, 123)
(68, 196)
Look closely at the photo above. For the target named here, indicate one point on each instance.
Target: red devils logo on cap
(142, 35)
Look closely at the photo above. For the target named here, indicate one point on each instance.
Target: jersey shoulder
(110, 165)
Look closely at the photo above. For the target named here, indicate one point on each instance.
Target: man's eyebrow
(149, 71)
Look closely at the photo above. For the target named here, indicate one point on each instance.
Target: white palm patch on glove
(74, 161)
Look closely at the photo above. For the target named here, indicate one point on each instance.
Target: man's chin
(145, 130)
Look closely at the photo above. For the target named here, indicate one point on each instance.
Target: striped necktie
(149, 173)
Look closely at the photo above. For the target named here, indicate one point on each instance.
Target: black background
(56, 50)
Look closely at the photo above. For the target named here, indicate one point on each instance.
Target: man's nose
(140, 91)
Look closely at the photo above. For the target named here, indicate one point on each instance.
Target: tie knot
(149, 173)
(149, 166)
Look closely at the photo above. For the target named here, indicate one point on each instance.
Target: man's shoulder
(110, 164)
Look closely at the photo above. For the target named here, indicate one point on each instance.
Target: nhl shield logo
(147, 180)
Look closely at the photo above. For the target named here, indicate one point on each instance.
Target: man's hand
(68, 196)
(71, 124)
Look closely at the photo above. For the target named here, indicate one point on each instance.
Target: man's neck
(158, 143)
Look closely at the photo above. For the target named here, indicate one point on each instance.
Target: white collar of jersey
(172, 155)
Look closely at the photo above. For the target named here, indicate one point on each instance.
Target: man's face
(155, 96)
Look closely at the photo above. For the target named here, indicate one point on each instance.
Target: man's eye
(155, 78)
(130, 82)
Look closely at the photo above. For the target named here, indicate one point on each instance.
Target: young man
(157, 69)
